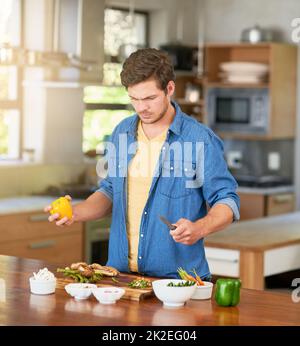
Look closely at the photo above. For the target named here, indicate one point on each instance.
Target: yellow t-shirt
(140, 174)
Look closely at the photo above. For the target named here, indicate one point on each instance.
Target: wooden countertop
(267, 190)
(23, 204)
(259, 234)
(19, 307)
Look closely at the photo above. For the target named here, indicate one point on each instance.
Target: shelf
(254, 137)
(245, 44)
(236, 85)
(238, 45)
(183, 73)
(184, 102)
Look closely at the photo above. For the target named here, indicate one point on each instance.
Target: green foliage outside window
(106, 94)
(119, 28)
(3, 135)
(98, 126)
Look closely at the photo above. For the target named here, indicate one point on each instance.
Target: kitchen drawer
(252, 206)
(280, 204)
(223, 261)
(282, 259)
(30, 225)
(65, 248)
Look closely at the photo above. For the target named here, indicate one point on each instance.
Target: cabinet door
(31, 235)
(252, 206)
(280, 204)
(63, 249)
(31, 225)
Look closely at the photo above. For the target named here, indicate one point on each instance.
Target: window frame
(145, 13)
(17, 104)
(113, 106)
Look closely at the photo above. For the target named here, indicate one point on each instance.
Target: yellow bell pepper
(63, 207)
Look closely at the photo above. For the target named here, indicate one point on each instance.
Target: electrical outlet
(274, 161)
(234, 159)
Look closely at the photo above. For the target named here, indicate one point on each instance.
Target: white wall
(35, 178)
(225, 19)
(297, 151)
(158, 32)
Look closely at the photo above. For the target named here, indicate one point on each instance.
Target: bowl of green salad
(173, 292)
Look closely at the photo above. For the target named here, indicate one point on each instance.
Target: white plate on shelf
(243, 79)
(244, 67)
(251, 74)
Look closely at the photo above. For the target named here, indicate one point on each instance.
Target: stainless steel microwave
(240, 110)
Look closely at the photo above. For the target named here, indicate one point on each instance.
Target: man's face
(150, 102)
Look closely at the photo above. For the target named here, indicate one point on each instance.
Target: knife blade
(168, 223)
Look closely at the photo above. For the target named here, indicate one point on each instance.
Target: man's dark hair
(148, 63)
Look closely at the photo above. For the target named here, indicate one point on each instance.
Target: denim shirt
(205, 180)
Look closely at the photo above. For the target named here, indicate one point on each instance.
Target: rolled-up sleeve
(105, 187)
(219, 186)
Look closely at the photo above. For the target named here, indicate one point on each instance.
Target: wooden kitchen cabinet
(183, 97)
(281, 84)
(31, 235)
(254, 206)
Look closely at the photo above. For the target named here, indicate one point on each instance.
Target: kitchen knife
(168, 223)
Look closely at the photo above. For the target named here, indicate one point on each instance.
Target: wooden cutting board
(123, 280)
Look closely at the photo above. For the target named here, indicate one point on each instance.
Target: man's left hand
(187, 232)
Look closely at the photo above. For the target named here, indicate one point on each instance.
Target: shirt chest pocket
(177, 178)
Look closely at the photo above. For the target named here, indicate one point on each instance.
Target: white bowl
(108, 295)
(172, 296)
(79, 290)
(42, 286)
(203, 292)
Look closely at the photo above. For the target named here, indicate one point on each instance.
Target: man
(161, 162)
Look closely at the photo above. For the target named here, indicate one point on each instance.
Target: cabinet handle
(282, 198)
(38, 217)
(42, 244)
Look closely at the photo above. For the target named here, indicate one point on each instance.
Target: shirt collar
(175, 126)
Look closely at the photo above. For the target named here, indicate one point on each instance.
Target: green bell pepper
(228, 292)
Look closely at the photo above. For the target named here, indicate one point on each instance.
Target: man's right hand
(54, 217)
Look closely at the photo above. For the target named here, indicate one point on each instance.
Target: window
(105, 108)
(9, 134)
(108, 104)
(10, 89)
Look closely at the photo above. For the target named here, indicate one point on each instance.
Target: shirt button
(140, 257)
(185, 169)
(171, 168)
(142, 235)
(145, 213)
(163, 148)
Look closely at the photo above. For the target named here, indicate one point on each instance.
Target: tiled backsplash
(28, 179)
(261, 158)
